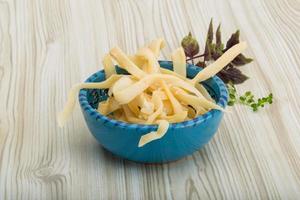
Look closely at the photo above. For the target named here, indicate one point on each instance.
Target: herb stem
(191, 58)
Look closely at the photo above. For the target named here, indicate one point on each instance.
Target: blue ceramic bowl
(122, 138)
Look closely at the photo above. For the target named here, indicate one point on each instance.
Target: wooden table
(47, 46)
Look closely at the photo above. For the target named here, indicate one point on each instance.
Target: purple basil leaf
(190, 45)
(241, 60)
(219, 44)
(232, 74)
(201, 64)
(234, 39)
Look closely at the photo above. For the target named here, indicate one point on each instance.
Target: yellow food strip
(179, 62)
(154, 135)
(162, 95)
(198, 86)
(195, 101)
(154, 115)
(137, 60)
(170, 72)
(134, 108)
(167, 107)
(103, 107)
(130, 116)
(156, 100)
(126, 63)
(175, 118)
(108, 65)
(191, 112)
(121, 84)
(70, 104)
(108, 106)
(135, 89)
(117, 114)
(220, 63)
(177, 108)
(151, 65)
(147, 108)
(156, 46)
(203, 91)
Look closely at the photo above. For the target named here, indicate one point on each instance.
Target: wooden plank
(47, 46)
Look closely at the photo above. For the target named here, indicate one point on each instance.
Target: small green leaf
(231, 103)
(250, 101)
(232, 96)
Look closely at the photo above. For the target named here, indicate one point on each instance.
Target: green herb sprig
(248, 99)
(232, 94)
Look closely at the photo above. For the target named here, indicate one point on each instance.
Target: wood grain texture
(47, 46)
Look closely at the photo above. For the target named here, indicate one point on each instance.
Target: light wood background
(47, 46)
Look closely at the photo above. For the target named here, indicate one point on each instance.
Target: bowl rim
(94, 114)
